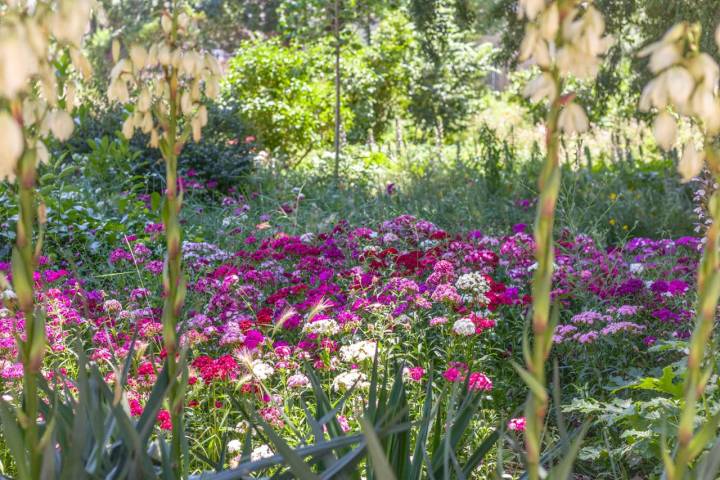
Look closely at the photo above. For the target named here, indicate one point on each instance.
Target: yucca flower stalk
(164, 87)
(685, 85)
(561, 40)
(35, 102)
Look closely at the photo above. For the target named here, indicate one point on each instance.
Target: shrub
(282, 89)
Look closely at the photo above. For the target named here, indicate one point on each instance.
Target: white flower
(691, 163)
(263, 451)
(61, 124)
(261, 370)
(11, 139)
(234, 446)
(665, 130)
(572, 119)
(464, 327)
(541, 87)
(530, 8)
(346, 380)
(359, 351)
(18, 64)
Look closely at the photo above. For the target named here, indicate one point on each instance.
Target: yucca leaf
(296, 463)
(562, 470)
(710, 464)
(536, 387)
(421, 439)
(376, 453)
(703, 436)
(14, 439)
(478, 455)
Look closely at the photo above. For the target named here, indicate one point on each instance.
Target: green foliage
(282, 89)
(449, 78)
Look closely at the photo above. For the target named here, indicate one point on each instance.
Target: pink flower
(452, 374)
(164, 421)
(480, 381)
(517, 424)
(416, 373)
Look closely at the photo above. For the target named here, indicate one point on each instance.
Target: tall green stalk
(23, 268)
(697, 376)
(173, 279)
(549, 186)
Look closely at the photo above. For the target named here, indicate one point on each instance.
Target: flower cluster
(168, 81)
(562, 40)
(685, 83)
(33, 36)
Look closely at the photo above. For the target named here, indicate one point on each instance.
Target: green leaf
(562, 470)
(479, 454)
(530, 381)
(703, 436)
(298, 466)
(14, 439)
(379, 461)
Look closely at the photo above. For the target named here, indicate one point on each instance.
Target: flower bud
(115, 50)
(572, 119)
(61, 124)
(12, 141)
(691, 162)
(665, 130)
(166, 22)
(138, 56)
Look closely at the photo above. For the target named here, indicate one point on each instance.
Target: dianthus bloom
(438, 321)
(112, 306)
(480, 381)
(164, 421)
(445, 293)
(262, 370)
(452, 374)
(464, 327)
(326, 326)
(415, 373)
(298, 381)
(359, 351)
(346, 380)
(517, 424)
(263, 451)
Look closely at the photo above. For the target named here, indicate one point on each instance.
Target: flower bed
(449, 306)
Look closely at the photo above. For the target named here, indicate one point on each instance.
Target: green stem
(708, 295)
(174, 281)
(32, 349)
(549, 186)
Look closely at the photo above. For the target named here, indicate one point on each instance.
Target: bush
(282, 89)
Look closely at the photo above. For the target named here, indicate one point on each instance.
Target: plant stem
(174, 283)
(23, 266)
(549, 186)
(708, 294)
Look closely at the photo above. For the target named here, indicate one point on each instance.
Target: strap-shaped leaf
(380, 464)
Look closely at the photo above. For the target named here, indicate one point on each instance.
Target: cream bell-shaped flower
(18, 63)
(542, 86)
(665, 130)
(530, 8)
(138, 57)
(691, 163)
(61, 124)
(573, 119)
(13, 144)
(681, 84)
